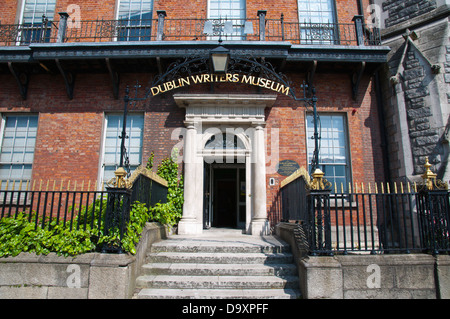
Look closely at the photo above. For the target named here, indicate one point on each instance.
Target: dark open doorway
(224, 196)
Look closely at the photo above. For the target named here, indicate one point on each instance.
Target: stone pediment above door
(220, 108)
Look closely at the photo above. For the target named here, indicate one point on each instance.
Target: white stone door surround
(239, 114)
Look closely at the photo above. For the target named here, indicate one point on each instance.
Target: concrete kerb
(87, 276)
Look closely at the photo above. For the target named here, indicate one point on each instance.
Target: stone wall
(88, 276)
(415, 88)
(400, 11)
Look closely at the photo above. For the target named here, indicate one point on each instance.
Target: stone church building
(416, 86)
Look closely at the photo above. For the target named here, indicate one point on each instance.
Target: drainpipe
(360, 7)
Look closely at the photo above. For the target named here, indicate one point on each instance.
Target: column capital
(259, 125)
(191, 124)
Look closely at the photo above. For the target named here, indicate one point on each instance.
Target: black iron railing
(380, 219)
(102, 212)
(73, 208)
(173, 29)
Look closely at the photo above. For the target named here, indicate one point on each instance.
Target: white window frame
(36, 19)
(129, 27)
(238, 22)
(318, 31)
(332, 10)
(118, 9)
(310, 146)
(2, 133)
(102, 163)
(31, 26)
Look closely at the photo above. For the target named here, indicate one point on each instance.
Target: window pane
(315, 17)
(135, 16)
(321, 10)
(227, 10)
(17, 150)
(34, 9)
(339, 170)
(333, 158)
(133, 144)
(135, 9)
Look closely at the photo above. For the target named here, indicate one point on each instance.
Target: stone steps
(218, 294)
(214, 282)
(219, 258)
(218, 267)
(193, 269)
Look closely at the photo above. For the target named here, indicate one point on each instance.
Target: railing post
(319, 219)
(358, 20)
(318, 223)
(282, 27)
(262, 24)
(434, 212)
(160, 31)
(62, 27)
(118, 209)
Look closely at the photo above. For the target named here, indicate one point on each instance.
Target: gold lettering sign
(213, 78)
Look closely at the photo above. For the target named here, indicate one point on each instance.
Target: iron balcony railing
(165, 29)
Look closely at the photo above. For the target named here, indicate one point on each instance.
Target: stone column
(191, 222)
(259, 224)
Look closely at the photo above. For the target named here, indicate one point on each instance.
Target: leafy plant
(150, 161)
(171, 212)
(19, 235)
(139, 216)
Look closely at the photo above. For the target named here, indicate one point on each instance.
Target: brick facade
(70, 132)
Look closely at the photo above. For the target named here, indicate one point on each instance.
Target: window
(317, 21)
(133, 144)
(226, 17)
(35, 9)
(17, 148)
(333, 153)
(224, 141)
(34, 28)
(135, 20)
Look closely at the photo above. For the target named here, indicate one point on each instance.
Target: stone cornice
(225, 108)
(176, 49)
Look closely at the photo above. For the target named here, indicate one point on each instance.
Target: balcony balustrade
(68, 30)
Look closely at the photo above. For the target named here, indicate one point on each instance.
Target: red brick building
(64, 77)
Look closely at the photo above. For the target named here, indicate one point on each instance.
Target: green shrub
(171, 212)
(19, 235)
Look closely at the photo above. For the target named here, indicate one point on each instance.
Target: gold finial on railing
(121, 181)
(318, 182)
(429, 178)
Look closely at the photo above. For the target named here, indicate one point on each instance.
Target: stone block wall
(400, 11)
(415, 88)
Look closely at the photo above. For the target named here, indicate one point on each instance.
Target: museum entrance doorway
(225, 200)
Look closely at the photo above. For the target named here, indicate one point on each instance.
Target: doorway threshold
(223, 231)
